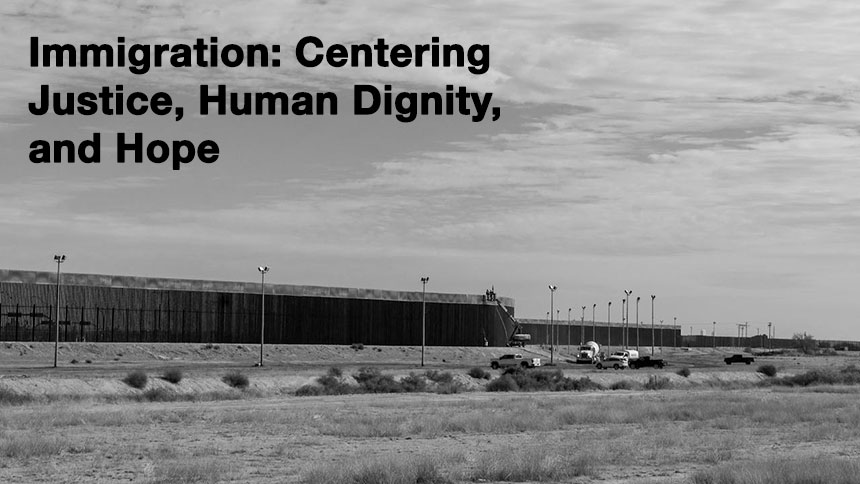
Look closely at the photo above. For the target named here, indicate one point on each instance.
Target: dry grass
(192, 471)
(810, 470)
(427, 469)
(28, 445)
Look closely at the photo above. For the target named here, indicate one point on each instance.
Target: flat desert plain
(81, 422)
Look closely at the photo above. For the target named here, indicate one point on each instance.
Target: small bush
(767, 370)
(136, 379)
(439, 376)
(357, 346)
(335, 372)
(173, 375)
(479, 373)
(685, 372)
(74, 362)
(657, 383)
(236, 380)
(309, 391)
(622, 385)
(504, 383)
(414, 383)
(159, 395)
(8, 397)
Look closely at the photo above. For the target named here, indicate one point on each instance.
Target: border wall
(105, 308)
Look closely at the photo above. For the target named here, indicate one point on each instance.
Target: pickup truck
(738, 359)
(647, 361)
(617, 360)
(514, 360)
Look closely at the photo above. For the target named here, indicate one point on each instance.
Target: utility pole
(627, 318)
(594, 322)
(552, 289)
(637, 323)
(661, 336)
(424, 281)
(582, 327)
(568, 329)
(59, 259)
(263, 270)
(714, 335)
(609, 326)
(652, 323)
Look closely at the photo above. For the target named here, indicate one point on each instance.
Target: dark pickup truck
(647, 361)
(738, 359)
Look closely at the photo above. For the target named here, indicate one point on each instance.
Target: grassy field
(152, 422)
(705, 436)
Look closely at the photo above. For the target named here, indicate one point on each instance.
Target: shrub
(173, 375)
(503, 383)
(767, 370)
(236, 380)
(439, 376)
(335, 372)
(657, 383)
(479, 373)
(159, 395)
(371, 380)
(685, 372)
(414, 383)
(357, 346)
(309, 391)
(622, 385)
(8, 397)
(136, 379)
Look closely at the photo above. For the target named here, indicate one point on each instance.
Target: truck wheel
(728, 362)
(748, 362)
(600, 366)
(494, 365)
(659, 366)
(616, 366)
(524, 365)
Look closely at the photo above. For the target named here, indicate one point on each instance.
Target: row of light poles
(625, 316)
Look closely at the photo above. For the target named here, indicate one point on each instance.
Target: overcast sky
(705, 152)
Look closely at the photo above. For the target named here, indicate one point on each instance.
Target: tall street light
(59, 259)
(568, 329)
(423, 314)
(557, 328)
(582, 327)
(627, 318)
(623, 305)
(652, 324)
(594, 322)
(714, 335)
(637, 323)
(263, 270)
(552, 289)
(609, 326)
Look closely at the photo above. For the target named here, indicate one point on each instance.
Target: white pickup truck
(514, 360)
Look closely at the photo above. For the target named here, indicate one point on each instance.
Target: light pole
(609, 326)
(59, 259)
(263, 270)
(661, 336)
(637, 323)
(423, 314)
(552, 289)
(714, 334)
(558, 328)
(594, 322)
(568, 329)
(674, 325)
(582, 327)
(626, 340)
(652, 325)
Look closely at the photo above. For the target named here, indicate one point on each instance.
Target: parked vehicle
(739, 359)
(617, 361)
(514, 360)
(588, 353)
(647, 361)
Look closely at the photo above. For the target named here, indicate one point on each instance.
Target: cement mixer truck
(588, 353)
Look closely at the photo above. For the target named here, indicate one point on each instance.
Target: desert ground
(81, 422)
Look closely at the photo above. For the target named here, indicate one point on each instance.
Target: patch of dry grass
(808, 470)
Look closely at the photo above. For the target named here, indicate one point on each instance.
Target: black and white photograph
(324, 242)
